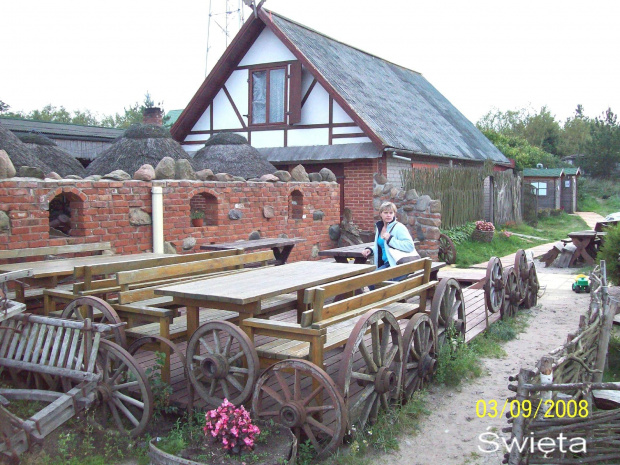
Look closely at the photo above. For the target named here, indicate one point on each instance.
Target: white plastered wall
(394, 167)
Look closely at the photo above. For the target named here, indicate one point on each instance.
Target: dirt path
(450, 434)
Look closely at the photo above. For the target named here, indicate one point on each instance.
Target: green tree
(542, 130)
(4, 106)
(603, 151)
(576, 134)
(525, 154)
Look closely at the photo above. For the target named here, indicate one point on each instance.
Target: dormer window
(275, 94)
(268, 96)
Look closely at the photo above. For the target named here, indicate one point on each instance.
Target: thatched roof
(231, 153)
(47, 151)
(19, 153)
(140, 144)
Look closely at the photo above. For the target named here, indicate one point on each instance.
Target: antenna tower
(226, 17)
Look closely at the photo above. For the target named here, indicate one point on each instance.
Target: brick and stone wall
(119, 212)
(358, 188)
(420, 214)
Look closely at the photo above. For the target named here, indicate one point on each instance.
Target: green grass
(598, 195)
(550, 229)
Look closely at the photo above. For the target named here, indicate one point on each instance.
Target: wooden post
(545, 366)
(518, 424)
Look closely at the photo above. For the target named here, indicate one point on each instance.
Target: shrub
(460, 234)
(610, 252)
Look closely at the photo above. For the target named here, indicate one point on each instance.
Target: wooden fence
(566, 384)
(463, 195)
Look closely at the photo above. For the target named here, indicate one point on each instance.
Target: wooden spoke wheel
(512, 297)
(373, 363)
(222, 363)
(123, 389)
(303, 397)
(420, 354)
(99, 310)
(533, 286)
(494, 287)
(447, 250)
(522, 270)
(448, 309)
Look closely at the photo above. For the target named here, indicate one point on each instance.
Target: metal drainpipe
(158, 219)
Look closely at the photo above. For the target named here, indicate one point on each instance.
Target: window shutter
(294, 103)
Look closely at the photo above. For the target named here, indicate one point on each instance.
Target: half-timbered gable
(302, 97)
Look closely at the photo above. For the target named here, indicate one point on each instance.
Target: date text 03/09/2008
(527, 409)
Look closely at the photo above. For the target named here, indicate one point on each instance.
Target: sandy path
(450, 434)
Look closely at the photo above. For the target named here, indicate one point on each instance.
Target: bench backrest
(161, 275)
(88, 272)
(323, 314)
(55, 250)
(50, 345)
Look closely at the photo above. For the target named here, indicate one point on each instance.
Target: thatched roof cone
(49, 153)
(140, 145)
(19, 153)
(231, 153)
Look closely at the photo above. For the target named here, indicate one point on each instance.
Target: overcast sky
(481, 54)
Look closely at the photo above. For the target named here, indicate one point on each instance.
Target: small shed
(568, 200)
(555, 187)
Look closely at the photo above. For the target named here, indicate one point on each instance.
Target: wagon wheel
(447, 250)
(94, 306)
(512, 297)
(521, 269)
(222, 363)
(448, 308)
(375, 364)
(532, 287)
(494, 288)
(123, 389)
(420, 346)
(313, 406)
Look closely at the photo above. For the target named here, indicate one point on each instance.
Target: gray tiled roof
(399, 105)
(62, 130)
(542, 172)
(312, 153)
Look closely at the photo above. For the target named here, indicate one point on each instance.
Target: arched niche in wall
(296, 205)
(64, 211)
(207, 204)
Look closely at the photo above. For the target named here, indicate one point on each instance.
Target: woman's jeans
(383, 267)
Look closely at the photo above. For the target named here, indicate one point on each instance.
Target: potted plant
(197, 217)
(228, 437)
(484, 231)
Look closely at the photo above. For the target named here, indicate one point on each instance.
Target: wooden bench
(21, 254)
(329, 325)
(55, 250)
(100, 279)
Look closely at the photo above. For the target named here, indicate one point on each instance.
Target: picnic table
(243, 293)
(281, 246)
(585, 243)
(343, 254)
(46, 274)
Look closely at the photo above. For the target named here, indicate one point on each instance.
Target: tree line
(531, 138)
(131, 114)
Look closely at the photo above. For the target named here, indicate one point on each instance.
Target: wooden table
(243, 293)
(342, 254)
(281, 246)
(46, 273)
(584, 246)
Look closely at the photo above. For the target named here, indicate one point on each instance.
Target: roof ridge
(58, 122)
(340, 42)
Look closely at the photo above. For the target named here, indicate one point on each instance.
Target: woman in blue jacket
(390, 235)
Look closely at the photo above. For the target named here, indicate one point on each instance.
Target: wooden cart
(74, 367)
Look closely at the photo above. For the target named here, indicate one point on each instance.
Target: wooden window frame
(268, 70)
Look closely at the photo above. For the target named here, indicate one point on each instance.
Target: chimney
(153, 115)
